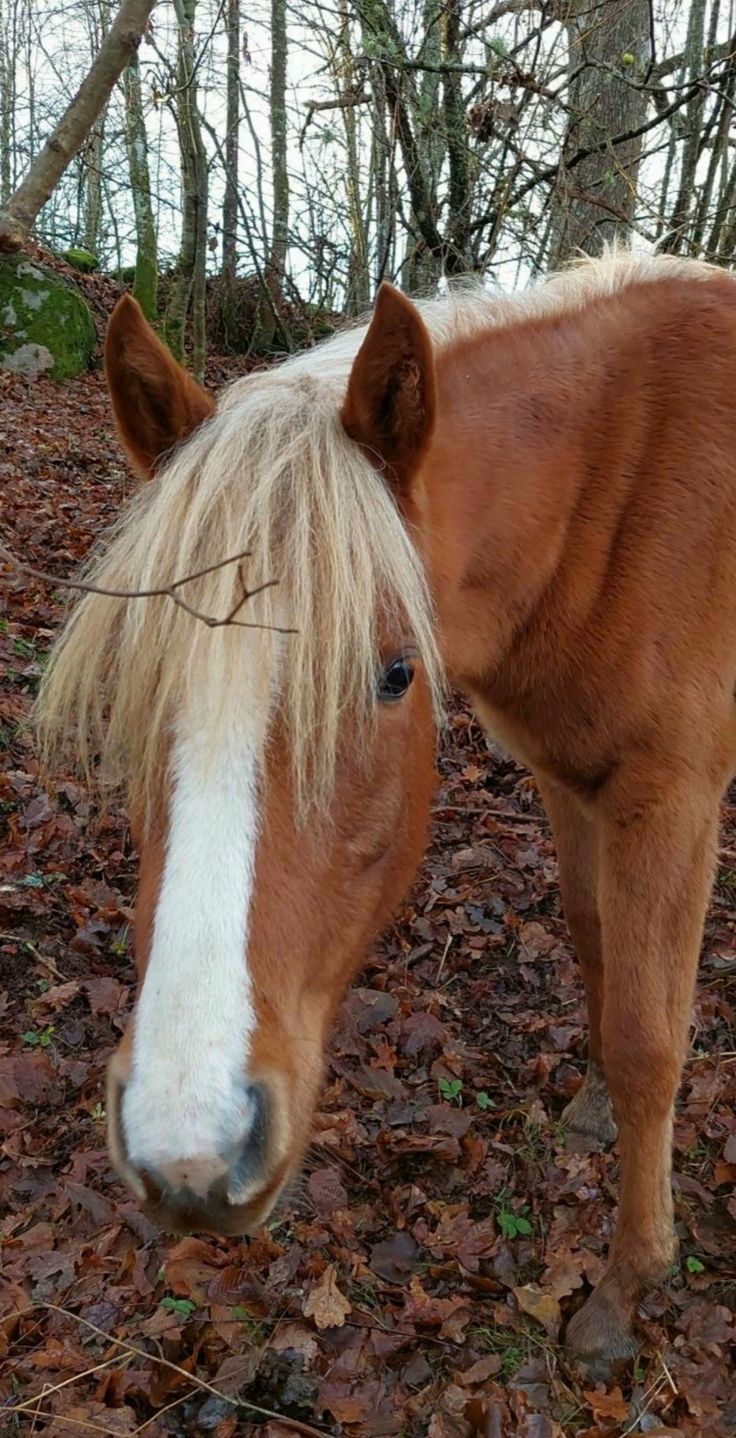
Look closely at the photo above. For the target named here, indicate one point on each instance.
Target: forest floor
(418, 1280)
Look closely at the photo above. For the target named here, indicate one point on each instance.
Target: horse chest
(562, 751)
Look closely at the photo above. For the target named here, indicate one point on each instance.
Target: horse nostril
(180, 1174)
(248, 1165)
(208, 1180)
(116, 1082)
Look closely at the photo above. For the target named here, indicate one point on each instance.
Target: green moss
(45, 325)
(80, 259)
(145, 285)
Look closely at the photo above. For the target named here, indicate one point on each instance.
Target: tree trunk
(230, 202)
(382, 167)
(422, 267)
(188, 288)
(694, 49)
(145, 282)
(8, 57)
(357, 287)
(270, 302)
(93, 188)
(384, 37)
(94, 150)
(18, 216)
(609, 53)
(457, 257)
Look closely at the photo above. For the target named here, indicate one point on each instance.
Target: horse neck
(541, 433)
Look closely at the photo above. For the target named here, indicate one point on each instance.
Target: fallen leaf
(327, 1191)
(326, 1304)
(395, 1258)
(540, 1306)
(608, 1405)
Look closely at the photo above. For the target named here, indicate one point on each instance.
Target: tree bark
(230, 202)
(93, 188)
(8, 60)
(188, 288)
(422, 266)
(94, 150)
(609, 52)
(145, 282)
(694, 50)
(19, 215)
(357, 288)
(269, 306)
(279, 52)
(457, 258)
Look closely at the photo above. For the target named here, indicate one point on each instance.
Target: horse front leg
(576, 842)
(656, 858)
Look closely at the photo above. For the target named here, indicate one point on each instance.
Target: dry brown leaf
(608, 1405)
(539, 1305)
(326, 1304)
(296, 1337)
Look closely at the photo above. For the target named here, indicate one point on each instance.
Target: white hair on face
(272, 471)
(186, 1102)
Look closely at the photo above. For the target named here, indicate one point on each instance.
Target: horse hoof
(589, 1113)
(599, 1337)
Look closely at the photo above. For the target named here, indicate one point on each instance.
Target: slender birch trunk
(188, 289)
(18, 216)
(230, 202)
(145, 282)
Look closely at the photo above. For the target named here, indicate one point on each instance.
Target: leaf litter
(417, 1279)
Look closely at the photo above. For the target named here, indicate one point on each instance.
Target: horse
(531, 497)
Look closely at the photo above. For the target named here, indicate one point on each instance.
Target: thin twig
(26, 943)
(483, 810)
(29, 1403)
(448, 941)
(183, 1398)
(67, 1418)
(167, 591)
(296, 1425)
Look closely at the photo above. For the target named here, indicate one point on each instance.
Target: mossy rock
(80, 259)
(45, 325)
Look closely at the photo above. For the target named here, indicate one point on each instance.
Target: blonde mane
(272, 472)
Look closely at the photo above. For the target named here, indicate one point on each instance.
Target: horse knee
(642, 1068)
(585, 931)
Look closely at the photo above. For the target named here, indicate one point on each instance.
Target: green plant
(693, 1264)
(506, 1344)
(255, 1330)
(484, 1100)
(182, 1307)
(514, 1224)
(39, 1038)
(451, 1089)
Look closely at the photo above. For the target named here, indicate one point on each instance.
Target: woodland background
(274, 161)
(254, 174)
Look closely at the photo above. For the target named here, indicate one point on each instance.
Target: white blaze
(187, 1096)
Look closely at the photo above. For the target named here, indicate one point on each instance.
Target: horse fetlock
(642, 1260)
(589, 1113)
(600, 1335)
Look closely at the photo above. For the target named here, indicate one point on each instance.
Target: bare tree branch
(122, 41)
(168, 591)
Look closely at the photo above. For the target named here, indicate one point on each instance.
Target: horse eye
(395, 680)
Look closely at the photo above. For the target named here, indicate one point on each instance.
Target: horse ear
(155, 402)
(390, 404)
